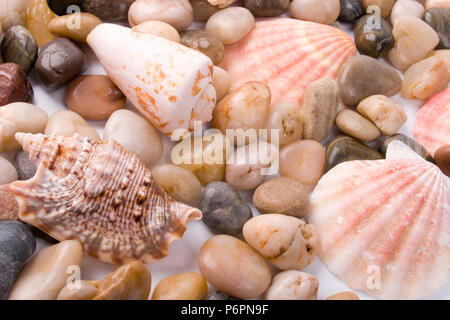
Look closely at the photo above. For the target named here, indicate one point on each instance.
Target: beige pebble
(443, 4)
(8, 173)
(385, 113)
(160, 29)
(184, 286)
(48, 272)
(75, 26)
(19, 117)
(325, 12)
(384, 6)
(355, 125)
(8, 204)
(444, 55)
(179, 183)
(135, 134)
(82, 290)
(231, 24)
(346, 295)
(221, 3)
(425, 78)
(233, 267)
(67, 123)
(303, 161)
(282, 195)
(293, 285)
(203, 10)
(287, 242)
(284, 124)
(221, 82)
(414, 40)
(407, 8)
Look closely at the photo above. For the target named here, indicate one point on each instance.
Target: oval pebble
(75, 26)
(442, 159)
(355, 125)
(8, 173)
(184, 286)
(267, 8)
(384, 6)
(346, 295)
(110, 10)
(351, 10)
(14, 85)
(19, 47)
(25, 168)
(406, 8)
(204, 42)
(373, 39)
(293, 285)
(445, 56)
(284, 123)
(67, 123)
(160, 29)
(221, 82)
(325, 12)
(443, 4)
(439, 20)
(39, 16)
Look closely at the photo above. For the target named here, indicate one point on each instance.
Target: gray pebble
(25, 168)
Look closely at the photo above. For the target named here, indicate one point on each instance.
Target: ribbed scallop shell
(100, 194)
(384, 226)
(432, 127)
(287, 55)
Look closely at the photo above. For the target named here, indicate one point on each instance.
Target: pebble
(58, 63)
(384, 6)
(218, 295)
(110, 10)
(421, 151)
(385, 113)
(445, 56)
(19, 117)
(425, 78)
(46, 273)
(8, 204)
(303, 161)
(160, 29)
(184, 286)
(293, 285)
(19, 47)
(442, 4)
(343, 148)
(371, 38)
(203, 10)
(67, 123)
(84, 291)
(221, 82)
(267, 8)
(355, 125)
(282, 195)
(325, 12)
(13, 12)
(61, 7)
(320, 105)
(204, 42)
(351, 10)
(223, 209)
(414, 40)
(363, 76)
(442, 159)
(135, 134)
(287, 242)
(346, 295)
(14, 85)
(17, 245)
(286, 118)
(233, 267)
(94, 97)
(439, 20)
(25, 168)
(406, 8)
(75, 26)
(231, 24)
(38, 17)
(179, 183)
(177, 13)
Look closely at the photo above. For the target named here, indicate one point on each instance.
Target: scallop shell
(170, 84)
(100, 194)
(432, 127)
(287, 55)
(384, 225)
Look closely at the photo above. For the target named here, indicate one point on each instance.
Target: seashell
(432, 126)
(101, 195)
(287, 55)
(383, 226)
(170, 84)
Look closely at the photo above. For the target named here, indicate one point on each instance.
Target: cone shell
(170, 84)
(384, 225)
(101, 195)
(432, 127)
(287, 55)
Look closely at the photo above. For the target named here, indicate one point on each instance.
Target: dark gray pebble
(25, 168)
(351, 10)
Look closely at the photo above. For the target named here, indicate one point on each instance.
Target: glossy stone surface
(406, 8)
(25, 168)
(38, 17)
(343, 148)
(19, 47)
(110, 10)
(442, 159)
(355, 125)
(372, 39)
(384, 6)
(14, 85)
(8, 173)
(184, 286)
(61, 7)
(76, 26)
(202, 10)
(351, 10)
(267, 8)
(204, 42)
(407, 141)
(325, 12)
(439, 20)
(66, 123)
(160, 29)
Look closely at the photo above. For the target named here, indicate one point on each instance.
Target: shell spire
(101, 195)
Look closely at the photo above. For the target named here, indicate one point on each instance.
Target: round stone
(267, 8)
(406, 8)
(355, 125)
(67, 123)
(19, 47)
(373, 39)
(439, 20)
(14, 85)
(442, 159)
(351, 10)
(319, 11)
(25, 168)
(204, 42)
(8, 173)
(110, 10)
(159, 29)
(184, 286)
(76, 26)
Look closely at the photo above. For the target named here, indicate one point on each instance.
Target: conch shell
(101, 195)
(170, 84)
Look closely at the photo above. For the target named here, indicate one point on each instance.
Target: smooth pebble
(284, 123)
(420, 150)
(444, 55)
(203, 10)
(75, 26)
(83, 291)
(373, 39)
(406, 8)
(39, 16)
(110, 10)
(442, 159)
(221, 82)
(267, 8)
(14, 85)
(204, 42)
(183, 286)
(384, 6)
(19, 47)
(325, 12)
(442, 4)
(67, 123)
(346, 295)
(25, 168)
(8, 203)
(8, 173)
(160, 29)
(439, 20)
(293, 285)
(355, 125)
(351, 10)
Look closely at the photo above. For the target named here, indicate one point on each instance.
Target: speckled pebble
(25, 168)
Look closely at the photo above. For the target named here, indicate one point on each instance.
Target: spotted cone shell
(101, 195)
(384, 225)
(432, 127)
(287, 55)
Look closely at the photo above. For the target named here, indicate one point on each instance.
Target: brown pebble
(14, 85)
(442, 159)
(9, 209)
(184, 286)
(346, 295)
(66, 26)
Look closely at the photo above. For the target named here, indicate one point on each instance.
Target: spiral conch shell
(101, 195)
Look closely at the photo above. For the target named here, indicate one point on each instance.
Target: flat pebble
(346, 295)
(25, 168)
(287, 242)
(351, 10)
(177, 13)
(8, 173)
(39, 16)
(184, 286)
(203, 10)
(442, 159)
(46, 273)
(94, 97)
(293, 285)
(14, 85)
(303, 161)
(363, 76)
(384, 6)
(136, 135)
(221, 82)
(224, 211)
(373, 39)
(443, 4)
(160, 29)
(231, 24)
(421, 151)
(445, 56)
(19, 47)
(439, 20)
(282, 195)
(110, 10)
(267, 8)
(204, 42)
(286, 121)
(84, 291)
(406, 8)
(319, 11)
(355, 125)
(233, 267)
(8, 204)
(17, 245)
(67, 123)
(75, 26)
(61, 7)
(179, 183)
